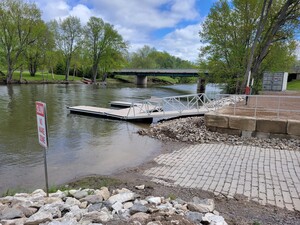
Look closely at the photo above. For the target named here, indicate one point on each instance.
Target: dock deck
(168, 107)
(132, 113)
(122, 104)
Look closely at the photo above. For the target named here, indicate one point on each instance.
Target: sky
(166, 25)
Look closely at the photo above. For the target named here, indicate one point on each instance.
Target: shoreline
(236, 210)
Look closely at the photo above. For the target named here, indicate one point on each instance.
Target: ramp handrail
(269, 105)
(174, 103)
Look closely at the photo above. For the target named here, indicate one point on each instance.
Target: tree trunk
(52, 73)
(263, 16)
(10, 72)
(285, 14)
(68, 68)
(95, 73)
(21, 74)
(32, 68)
(74, 71)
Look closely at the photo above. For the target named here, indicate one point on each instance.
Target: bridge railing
(177, 104)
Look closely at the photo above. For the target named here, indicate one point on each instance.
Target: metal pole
(234, 105)
(46, 171)
(255, 106)
(278, 109)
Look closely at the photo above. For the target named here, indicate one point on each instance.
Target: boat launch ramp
(164, 108)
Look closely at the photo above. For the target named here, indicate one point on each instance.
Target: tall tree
(68, 35)
(149, 58)
(278, 22)
(19, 29)
(36, 55)
(141, 60)
(239, 38)
(102, 41)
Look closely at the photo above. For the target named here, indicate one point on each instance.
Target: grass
(256, 223)
(172, 196)
(42, 77)
(127, 79)
(154, 79)
(94, 182)
(47, 77)
(293, 85)
(39, 76)
(12, 192)
(163, 79)
(55, 188)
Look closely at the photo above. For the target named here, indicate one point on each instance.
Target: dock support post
(141, 80)
(201, 85)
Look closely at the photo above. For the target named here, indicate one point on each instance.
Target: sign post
(41, 115)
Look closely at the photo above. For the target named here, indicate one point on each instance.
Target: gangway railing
(175, 104)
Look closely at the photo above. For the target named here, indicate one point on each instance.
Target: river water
(79, 145)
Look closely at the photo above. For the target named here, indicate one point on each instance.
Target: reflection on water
(79, 145)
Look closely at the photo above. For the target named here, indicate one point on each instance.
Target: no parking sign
(41, 115)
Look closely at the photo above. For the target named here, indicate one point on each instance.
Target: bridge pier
(141, 80)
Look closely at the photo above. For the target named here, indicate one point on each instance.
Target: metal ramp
(167, 107)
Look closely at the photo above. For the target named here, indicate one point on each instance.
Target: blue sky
(167, 25)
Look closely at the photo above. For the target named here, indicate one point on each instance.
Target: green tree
(68, 35)
(277, 24)
(141, 59)
(150, 58)
(102, 42)
(233, 32)
(39, 51)
(19, 29)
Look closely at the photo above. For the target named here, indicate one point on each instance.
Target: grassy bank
(294, 85)
(158, 79)
(42, 77)
(48, 77)
(39, 77)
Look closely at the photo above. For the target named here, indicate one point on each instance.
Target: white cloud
(135, 20)
(183, 43)
(146, 14)
(83, 12)
(61, 9)
(185, 9)
(53, 9)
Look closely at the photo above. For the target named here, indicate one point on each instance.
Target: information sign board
(41, 116)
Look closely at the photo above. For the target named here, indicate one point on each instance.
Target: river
(79, 145)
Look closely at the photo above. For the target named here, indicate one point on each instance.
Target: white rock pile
(90, 206)
(225, 101)
(193, 130)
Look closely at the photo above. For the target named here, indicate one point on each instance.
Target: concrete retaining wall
(252, 127)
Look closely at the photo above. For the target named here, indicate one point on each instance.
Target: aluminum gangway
(164, 108)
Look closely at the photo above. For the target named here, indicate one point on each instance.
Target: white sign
(41, 116)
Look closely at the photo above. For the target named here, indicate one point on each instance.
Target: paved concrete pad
(265, 175)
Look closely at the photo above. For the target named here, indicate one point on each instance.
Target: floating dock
(132, 113)
(166, 108)
(121, 104)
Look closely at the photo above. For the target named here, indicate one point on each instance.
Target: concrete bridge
(141, 74)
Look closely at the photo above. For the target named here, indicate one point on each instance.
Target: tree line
(27, 41)
(67, 47)
(244, 38)
(241, 38)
